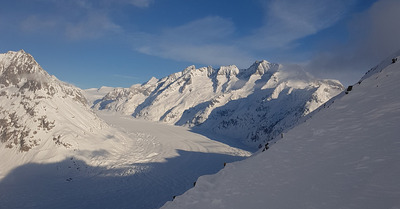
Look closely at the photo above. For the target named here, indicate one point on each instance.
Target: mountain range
(251, 105)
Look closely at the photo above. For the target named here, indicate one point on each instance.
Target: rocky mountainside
(32, 102)
(43, 119)
(253, 105)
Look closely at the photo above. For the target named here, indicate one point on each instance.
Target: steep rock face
(253, 104)
(37, 109)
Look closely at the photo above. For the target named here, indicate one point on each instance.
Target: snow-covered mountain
(43, 119)
(253, 105)
(32, 102)
(346, 155)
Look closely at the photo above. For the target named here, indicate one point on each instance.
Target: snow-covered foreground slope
(251, 105)
(345, 156)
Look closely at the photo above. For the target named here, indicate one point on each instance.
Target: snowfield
(346, 155)
(159, 161)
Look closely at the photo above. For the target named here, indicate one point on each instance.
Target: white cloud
(374, 35)
(380, 30)
(213, 40)
(289, 20)
(205, 30)
(36, 23)
(75, 20)
(200, 41)
(93, 25)
(141, 3)
(211, 54)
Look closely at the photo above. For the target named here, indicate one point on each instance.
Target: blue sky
(91, 43)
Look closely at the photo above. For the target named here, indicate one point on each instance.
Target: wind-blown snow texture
(346, 155)
(252, 105)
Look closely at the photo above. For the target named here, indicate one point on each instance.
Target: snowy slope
(346, 155)
(253, 104)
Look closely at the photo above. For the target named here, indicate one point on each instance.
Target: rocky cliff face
(37, 108)
(254, 104)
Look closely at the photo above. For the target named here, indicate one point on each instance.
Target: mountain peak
(261, 62)
(189, 69)
(21, 71)
(260, 68)
(32, 101)
(17, 68)
(21, 51)
(152, 81)
(18, 55)
(229, 70)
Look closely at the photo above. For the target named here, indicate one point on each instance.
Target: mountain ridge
(200, 97)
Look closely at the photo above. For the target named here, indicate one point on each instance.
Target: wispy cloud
(289, 20)
(214, 40)
(141, 3)
(75, 20)
(34, 23)
(201, 41)
(93, 25)
(374, 35)
(125, 77)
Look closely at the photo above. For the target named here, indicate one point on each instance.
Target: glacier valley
(195, 139)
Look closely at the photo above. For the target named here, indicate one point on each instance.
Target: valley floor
(165, 161)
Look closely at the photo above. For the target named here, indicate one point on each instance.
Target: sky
(94, 43)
